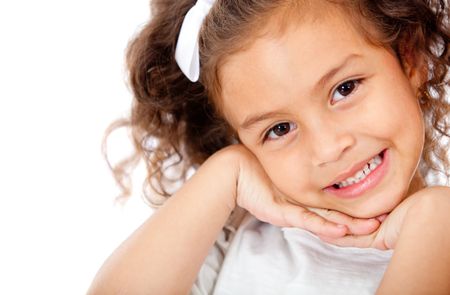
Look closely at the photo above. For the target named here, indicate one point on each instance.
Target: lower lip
(372, 180)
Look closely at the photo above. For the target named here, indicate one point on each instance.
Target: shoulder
(436, 190)
(432, 194)
(430, 201)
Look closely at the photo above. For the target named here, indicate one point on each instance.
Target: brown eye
(345, 89)
(280, 130)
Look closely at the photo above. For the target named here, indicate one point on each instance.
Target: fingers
(322, 222)
(356, 226)
(364, 241)
(382, 217)
(296, 216)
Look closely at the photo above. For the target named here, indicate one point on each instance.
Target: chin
(373, 210)
(378, 204)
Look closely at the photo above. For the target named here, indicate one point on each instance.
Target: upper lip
(351, 171)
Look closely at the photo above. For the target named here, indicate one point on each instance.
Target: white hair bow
(186, 53)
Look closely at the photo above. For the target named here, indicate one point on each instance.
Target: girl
(323, 116)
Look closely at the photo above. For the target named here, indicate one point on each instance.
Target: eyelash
(267, 133)
(357, 82)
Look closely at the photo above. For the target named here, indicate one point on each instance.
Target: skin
(329, 132)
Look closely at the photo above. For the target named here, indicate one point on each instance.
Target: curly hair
(177, 123)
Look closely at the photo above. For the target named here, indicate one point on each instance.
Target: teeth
(376, 160)
(360, 175)
(366, 170)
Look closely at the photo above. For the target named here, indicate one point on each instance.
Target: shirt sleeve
(207, 276)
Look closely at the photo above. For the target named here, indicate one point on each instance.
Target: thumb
(359, 241)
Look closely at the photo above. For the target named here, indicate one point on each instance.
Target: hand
(256, 193)
(388, 233)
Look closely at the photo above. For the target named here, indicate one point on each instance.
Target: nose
(329, 142)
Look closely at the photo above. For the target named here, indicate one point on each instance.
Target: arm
(164, 255)
(419, 231)
(421, 261)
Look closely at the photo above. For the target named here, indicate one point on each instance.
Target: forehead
(280, 66)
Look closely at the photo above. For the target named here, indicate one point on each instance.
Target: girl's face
(315, 104)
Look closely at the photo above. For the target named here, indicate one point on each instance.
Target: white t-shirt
(259, 258)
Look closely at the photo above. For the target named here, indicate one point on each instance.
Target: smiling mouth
(367, 177)
(361, 174)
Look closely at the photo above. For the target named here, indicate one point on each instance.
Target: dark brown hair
(175, 123)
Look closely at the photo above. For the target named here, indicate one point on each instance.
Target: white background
(62, 81)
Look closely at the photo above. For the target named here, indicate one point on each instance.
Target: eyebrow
(253, 119)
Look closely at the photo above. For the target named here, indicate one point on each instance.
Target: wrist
(223, 168)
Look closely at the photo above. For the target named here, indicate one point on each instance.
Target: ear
(414, 65)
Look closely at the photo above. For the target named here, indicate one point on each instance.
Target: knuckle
(327, 213)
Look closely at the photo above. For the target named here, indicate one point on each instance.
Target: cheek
(288, 171)
(394, 114)
(404, 121)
